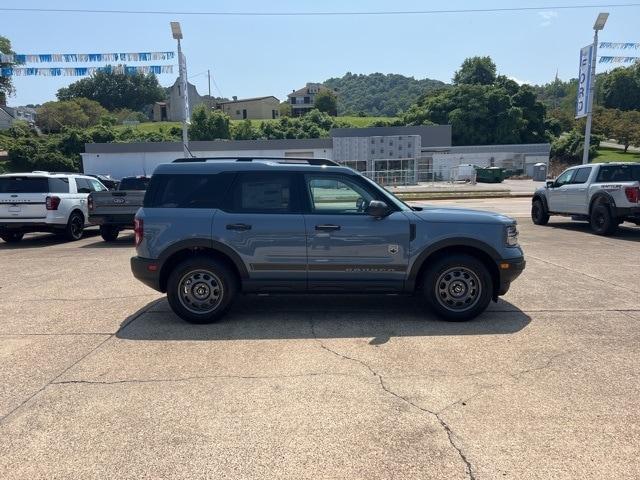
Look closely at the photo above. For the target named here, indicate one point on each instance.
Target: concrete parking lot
(98, 379)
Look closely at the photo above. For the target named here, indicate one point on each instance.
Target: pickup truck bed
(115, 210)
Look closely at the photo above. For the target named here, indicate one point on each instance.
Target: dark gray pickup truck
(115, 210)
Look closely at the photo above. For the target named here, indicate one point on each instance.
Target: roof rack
(294, 160)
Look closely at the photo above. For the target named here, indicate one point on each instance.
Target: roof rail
(309, 161)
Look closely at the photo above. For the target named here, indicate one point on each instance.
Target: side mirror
(551, 184)
(377, 209)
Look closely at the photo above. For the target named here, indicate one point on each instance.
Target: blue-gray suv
(213, 228)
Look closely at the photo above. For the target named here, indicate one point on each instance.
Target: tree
(244, 131)
(378, 93)
(327, 102)
(621, 88)
(285, 109)
(568, 147)
(476, 71)
(115, 90)
(6, 84)
(626, 128)
(78, 112)
(207, 124)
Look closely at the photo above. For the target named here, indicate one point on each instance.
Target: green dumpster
(490, 174)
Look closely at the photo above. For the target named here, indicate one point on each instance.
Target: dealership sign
(584, 81)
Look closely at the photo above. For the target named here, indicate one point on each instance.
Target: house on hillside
(304, 100)
(172, 109)
(9, 115)
(257, 108)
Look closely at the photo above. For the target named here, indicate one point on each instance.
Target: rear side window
(24, 185)
(59, 185)
(619, 173)
(582, 175)
(134, 183)
(263, 193)
(83, 185)
(187, 191)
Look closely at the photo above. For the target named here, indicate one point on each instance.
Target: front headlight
(512, 235)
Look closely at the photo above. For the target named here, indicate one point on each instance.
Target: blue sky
(254, 56)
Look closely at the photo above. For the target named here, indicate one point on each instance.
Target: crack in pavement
(450, 434)
(198, 377)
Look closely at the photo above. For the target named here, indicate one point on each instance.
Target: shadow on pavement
(319, 316)
(626, 231)
(125, 240)
(40, 240)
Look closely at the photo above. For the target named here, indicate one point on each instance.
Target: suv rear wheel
(12, 237)
(75, 227)
(458, 287)
(539, 214)
(201, 289)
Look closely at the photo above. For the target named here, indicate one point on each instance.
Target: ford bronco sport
(213, 228)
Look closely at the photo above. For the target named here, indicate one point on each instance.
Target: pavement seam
(96, 348)
(450, 434)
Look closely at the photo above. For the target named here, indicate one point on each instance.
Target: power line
(317, 14)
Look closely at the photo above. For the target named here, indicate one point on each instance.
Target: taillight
(633, 194)
(90, 202)
(138, 230)
(52, 203)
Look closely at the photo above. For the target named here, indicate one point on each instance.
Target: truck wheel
(458, 287)
(109, 233)
(539, 214)
(201, 289)
(12, 237)
(601, 220)
(75, 227)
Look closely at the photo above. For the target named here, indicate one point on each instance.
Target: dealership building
(390, 155)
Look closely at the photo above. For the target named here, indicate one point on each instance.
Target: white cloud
(547, 16)
(519, 81)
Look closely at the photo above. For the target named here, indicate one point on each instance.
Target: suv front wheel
(201, 289)
(458, 287)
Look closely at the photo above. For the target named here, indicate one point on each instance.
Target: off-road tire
(448, 286)
(201, 289)
(602, 221)
(539, 213)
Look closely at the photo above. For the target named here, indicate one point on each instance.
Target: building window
(391, 154)
(391, 143)
(307, 99)
(409, 155)
(373, 151)
(237, 112)
(382, 150)
(381, 140)
(293, 100)
(373, 140)
(409, 146)
(399, 147)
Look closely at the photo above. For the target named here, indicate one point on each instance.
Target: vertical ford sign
(584, 81)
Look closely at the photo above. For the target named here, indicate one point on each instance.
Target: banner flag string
(85, 57)
(620, 45)
(606, 59)
(83, 71)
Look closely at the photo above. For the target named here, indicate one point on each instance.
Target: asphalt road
(98, 379)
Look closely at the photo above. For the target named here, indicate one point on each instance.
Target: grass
(606, 154)
(358, 122)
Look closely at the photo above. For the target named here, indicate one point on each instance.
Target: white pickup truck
(604, 194)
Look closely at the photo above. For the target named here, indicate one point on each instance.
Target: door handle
(241, 227)
(327, 228)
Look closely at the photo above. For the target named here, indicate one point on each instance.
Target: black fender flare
(543, 199)
(440, 245)
(204, 244)
(600, 196)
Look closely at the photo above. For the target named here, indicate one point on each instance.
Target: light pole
(599, 25)
(176, 32)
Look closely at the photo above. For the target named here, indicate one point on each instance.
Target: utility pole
(599, 25)
(209, 82)
(176, 31)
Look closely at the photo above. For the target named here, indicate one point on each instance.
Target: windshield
(134, 183)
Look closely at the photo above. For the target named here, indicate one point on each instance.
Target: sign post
(587, 82)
